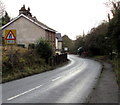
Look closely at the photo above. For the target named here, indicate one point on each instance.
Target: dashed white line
(24, 93)
(57, 78)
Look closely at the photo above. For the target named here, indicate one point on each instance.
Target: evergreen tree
(44, 49)
(5, 19)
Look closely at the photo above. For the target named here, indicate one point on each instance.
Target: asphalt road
(71, 83)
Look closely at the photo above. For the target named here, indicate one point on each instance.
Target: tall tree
(67, 42)
(5, 19)
(113, 33)
(79, 42)
(95, 41)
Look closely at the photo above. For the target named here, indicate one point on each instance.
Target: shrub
(44, 49)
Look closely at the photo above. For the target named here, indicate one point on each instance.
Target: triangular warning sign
(10, 36)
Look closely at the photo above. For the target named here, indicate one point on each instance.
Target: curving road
(71, 83)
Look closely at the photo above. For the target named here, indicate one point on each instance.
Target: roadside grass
(115, 62)
(28, 71)
(21, 62)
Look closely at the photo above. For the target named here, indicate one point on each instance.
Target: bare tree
(2, 9)
(113, 5)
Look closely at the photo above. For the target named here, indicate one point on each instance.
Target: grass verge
(23, 63)
(116, 64)
(28, 71)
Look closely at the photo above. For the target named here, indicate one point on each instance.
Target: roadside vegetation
(116, 63)
(20, 62)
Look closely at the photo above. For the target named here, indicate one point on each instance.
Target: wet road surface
(71, 83)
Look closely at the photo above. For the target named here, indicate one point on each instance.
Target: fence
(58, 59)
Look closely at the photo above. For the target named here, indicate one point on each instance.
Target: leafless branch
(2, 8)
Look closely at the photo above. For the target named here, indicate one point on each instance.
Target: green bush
(44, 49)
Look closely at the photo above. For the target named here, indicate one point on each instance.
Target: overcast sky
(68, 17)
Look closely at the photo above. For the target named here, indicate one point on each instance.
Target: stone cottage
(29, 29)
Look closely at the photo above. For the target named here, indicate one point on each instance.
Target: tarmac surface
(106, 90)
(71, 83)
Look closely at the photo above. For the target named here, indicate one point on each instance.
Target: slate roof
(58, 36)
(31, 19)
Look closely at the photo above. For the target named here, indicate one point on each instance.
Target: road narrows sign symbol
(10, 37)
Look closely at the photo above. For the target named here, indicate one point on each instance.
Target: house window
(21, 45)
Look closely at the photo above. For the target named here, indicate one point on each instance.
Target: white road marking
(57, 78)
(23, 93)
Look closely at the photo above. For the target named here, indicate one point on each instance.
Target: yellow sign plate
(10, 37)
